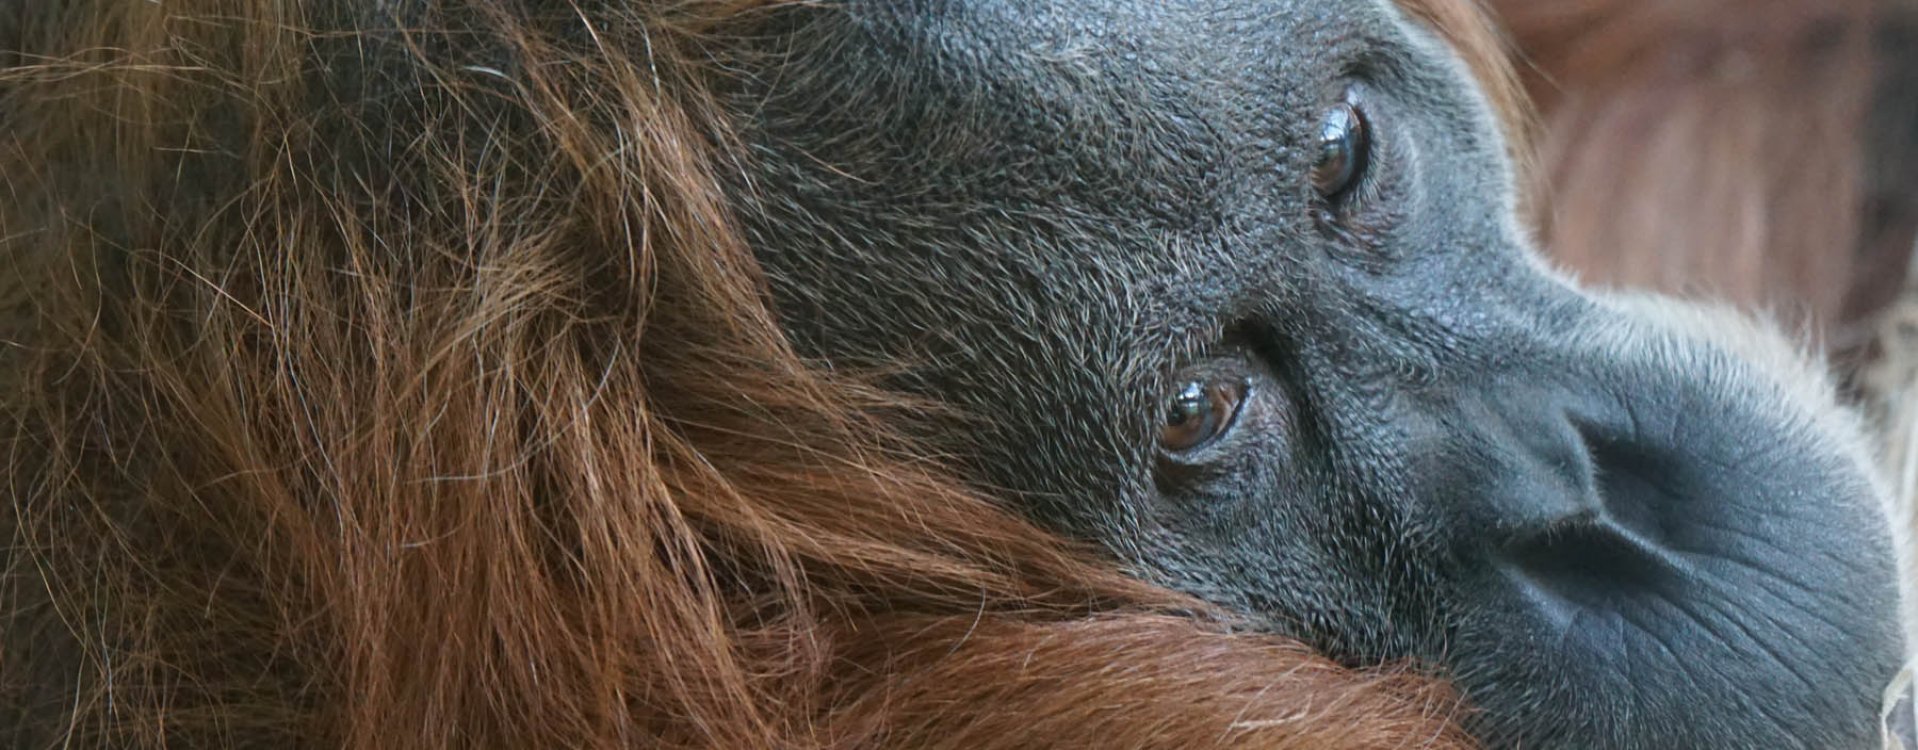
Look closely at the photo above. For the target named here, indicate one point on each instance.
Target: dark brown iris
(1198, 412)
(1344, 144)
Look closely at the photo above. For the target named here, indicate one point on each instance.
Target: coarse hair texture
(393, 375)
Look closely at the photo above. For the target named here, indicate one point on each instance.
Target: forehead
(1212, 56)
(1168, 112)
(1078, 149)
(1168, 116)
(1151, 88)
(1190, 25)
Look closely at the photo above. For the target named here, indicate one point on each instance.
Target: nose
(1582, 507)
(1648, 527)
(1609, 552)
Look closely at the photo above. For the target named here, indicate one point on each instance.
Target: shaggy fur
(360, 394)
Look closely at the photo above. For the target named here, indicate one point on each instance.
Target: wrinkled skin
(1616, 523)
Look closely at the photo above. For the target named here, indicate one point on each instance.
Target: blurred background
(1763, 152)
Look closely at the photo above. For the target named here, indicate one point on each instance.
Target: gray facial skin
(1618, 523)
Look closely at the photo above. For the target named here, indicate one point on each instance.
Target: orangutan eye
(1345, 143)
(1198, 412)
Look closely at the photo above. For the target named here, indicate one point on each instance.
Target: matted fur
(384, 380)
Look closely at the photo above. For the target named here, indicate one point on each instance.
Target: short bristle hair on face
(394, 376)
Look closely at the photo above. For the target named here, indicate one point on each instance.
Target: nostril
(1638, 488)
(1617, 546)
(1591, 561)
(1615, 543)
(1580, 497)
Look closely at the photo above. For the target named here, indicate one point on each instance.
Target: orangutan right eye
(1198, 412)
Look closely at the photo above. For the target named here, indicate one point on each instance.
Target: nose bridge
(1478, 310)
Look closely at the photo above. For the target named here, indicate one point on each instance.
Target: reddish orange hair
(412, 387)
